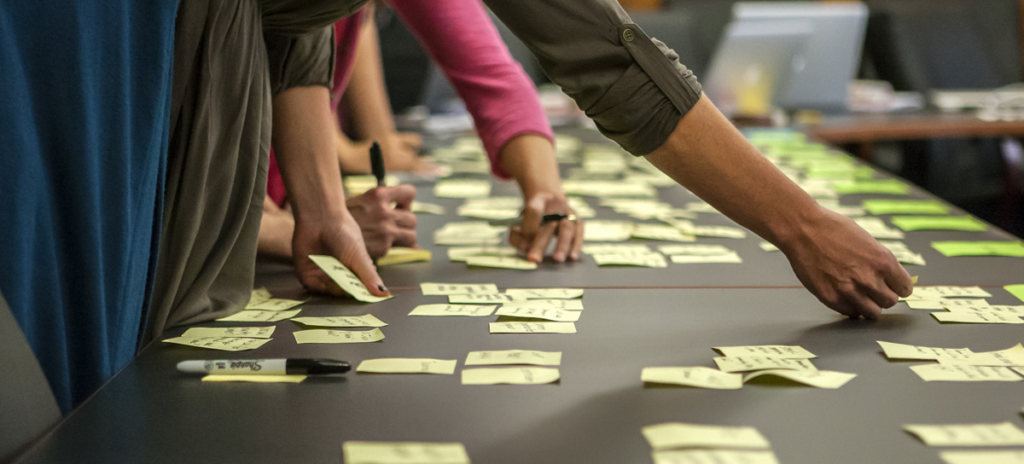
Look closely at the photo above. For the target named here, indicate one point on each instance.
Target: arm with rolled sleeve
(640, 96)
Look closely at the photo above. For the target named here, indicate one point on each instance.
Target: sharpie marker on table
(300, 366)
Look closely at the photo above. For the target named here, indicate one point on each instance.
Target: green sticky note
(881, 206)
(968, 223)
(864, 172)
(887, 186)
(1016, 290)
(1005, 248)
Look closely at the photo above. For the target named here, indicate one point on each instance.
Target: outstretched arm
(639, 95)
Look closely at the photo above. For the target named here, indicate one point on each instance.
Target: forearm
(707, 155)
(530, 160)
(366, 99)
(303, 142)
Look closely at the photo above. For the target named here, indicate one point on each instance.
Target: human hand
(276, 230)
(384, 226)
(846, 268)
(533, 238)
(338, 235)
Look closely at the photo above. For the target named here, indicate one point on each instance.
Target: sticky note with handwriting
(1001, 434)
(533, 327)
(510, 375)
(240, 332)
(819, 379)
(545, 293)
(557, 315)
(682, 435)
(964, 373)
(699, 376)
(767, 351)
(407, 366)
(490, 358)
(260, 316)
(366, 320)
(346, 279)
(755, 363)
(338, 336)
(433, 288)
(221, 343)
(453, 310)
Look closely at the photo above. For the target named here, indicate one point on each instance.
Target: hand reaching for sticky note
(382, 225)
(847, 269)
(534, 235)
(334, 234)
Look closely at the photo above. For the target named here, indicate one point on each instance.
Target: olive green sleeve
(634, 88)
(300, 61)
(300, 17)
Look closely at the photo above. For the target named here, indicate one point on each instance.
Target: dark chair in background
(923, 45)
(27, 406)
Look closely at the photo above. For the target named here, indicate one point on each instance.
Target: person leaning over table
(515, 132)
(635, 90)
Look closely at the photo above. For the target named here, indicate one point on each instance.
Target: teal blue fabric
(85, 91)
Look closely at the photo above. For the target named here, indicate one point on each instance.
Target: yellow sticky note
(925, 304)
(490, 358)
(964, 373)
(660, 232)
(557, 315)
(453, 310)
(461, 253)
(239, 332)
(1013, 356)
(755, 363)
(255, 378)
(273, 304)
(366, 452)
(401, 255)
(700, 456)
(259, 295)
(533, 327)
(545, 293)
(651, 260)
(433, 288)
(462, 188)
(616, 248)
(1001, 434)
(681, 435)
(1006, 310)
(729, 258)
(472, 298)
(767, 351)
(570, 305)
(947, 291)
(510, 375)
(819, 379)
(428, 208)
(694, 250)
(366, 320)
(221, 343)
(501, 262)
(607, 231)
(702, 377)
(901, 351)
(346, 279)
(982, 457)
(913, 280)
(260, 316)
(407, 366)
(338, 336)
(978, 318)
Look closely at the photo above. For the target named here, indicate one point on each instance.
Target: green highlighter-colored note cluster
(968, 223)
(886, 186)
(1004, 248)
(881, 206)
(1016, 290)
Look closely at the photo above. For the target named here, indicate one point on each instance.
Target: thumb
(362, 266)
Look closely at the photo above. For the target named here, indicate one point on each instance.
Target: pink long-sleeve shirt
(461, 38)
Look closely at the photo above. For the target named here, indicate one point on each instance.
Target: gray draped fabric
(220, 142)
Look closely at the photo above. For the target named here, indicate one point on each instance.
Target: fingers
(414, 141)
(404, 238)
(898, 279)
(516, 239)
(577, 244)
(363, 267)
(540, 242)
(566, 234)
(404, 219)
(401, 195)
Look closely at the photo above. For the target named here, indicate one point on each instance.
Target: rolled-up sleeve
(300, 61)
(634, 88)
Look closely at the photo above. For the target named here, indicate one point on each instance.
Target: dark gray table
(634, 318)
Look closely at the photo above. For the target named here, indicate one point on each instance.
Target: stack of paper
(512, 375)
(677, 442)
(468, 233)
(960, 364)
(225, 338)
(789, 362)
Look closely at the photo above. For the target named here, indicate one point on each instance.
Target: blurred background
(926, 89)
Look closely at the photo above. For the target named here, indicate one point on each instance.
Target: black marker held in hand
(377, 163)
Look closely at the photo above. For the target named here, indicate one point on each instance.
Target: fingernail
(382, 288)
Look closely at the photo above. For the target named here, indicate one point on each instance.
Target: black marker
(265, 367)
(377, 163)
